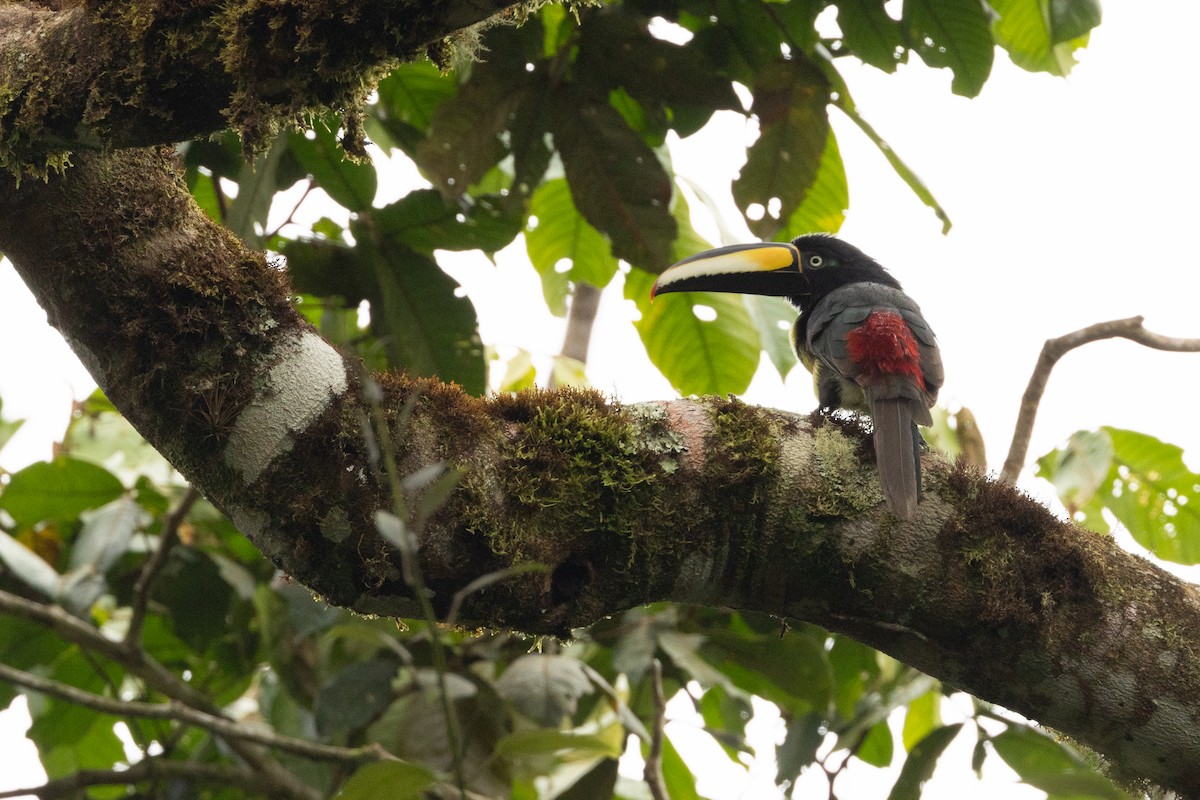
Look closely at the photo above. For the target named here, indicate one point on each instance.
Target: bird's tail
(897, 454)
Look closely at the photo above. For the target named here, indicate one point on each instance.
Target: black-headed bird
(862, 338)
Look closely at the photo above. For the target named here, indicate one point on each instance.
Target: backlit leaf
(616, 181)
(919, 765)
(1051, 766)
(954, 34)
(790, 98)
(60, 490)
(387, 780)
(563, 247)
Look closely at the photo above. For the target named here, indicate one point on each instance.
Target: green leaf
(1079, 470)
(954, 34)
(923, 716)
(547, 741)
(387, 780)
(412, 93)
(805, 735)
(25, 565)
(98, 433)
(561, 235)
(823, 208)
(1051, 766)
(1029, 30)
(599, 781)
(789, 100)
(424, 326)
(616, 181)
(545, 688)
(425, 221)
(464, 138)
(774, 318)
(61, 490)
(919, 765)
(8, 427)
(355, 695)
(679, 780)
(350, 183)
(190, 574)
(519, 373)
(714, 355)
(106, 533)
(869, 33)
(792, 672)
(1153, 493)
(877, 747)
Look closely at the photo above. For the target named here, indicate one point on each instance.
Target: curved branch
(1055, 349)
(701, 501)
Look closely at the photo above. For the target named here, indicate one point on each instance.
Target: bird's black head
(828, 263)
(802, 271)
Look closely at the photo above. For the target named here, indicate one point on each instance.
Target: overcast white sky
(1073, 201)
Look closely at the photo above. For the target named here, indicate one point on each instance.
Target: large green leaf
(1140, 479)
(388, 780)
(616, 181)
(425, 327)
(1042, 36)
(409, 98)
(355, 695)
(464, 139)
(1052, 767)
(823, 207)
(869, 33)
(350, 183)
(789, 100)
(1155, 495)
(954, 34)
(919, 765)
(716, 354)
(774, 317)
(425, 221)
(57, 490)
(560, 233)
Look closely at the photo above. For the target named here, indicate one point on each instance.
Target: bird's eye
(815, 261)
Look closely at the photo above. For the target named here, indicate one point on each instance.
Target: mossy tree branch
(116, 73)
(704, 501)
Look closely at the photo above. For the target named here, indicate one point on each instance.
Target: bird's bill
(767, 268)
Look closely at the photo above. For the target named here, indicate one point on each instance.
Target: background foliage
(557, 134)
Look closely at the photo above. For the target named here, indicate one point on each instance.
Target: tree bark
(708, 501)
(114, 73)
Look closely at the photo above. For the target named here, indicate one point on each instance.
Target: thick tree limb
(122, 74)
(1052, 351)
(702, 501)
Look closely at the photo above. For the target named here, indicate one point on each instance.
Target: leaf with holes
(562, 235)
(789, 100)
(616, 181)
(1043, 42)
(955, 34)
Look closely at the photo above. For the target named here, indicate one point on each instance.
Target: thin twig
(653, 774)
(1052, 351)
(142, 665)
(149, 769)
(416, 582)
(179, 712)
(154, 565)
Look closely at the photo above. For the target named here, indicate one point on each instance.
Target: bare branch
(145, 581)
(585, 302)
(653, 774)
(139, 663)
(149, 769)
(178, 712)
(1052, 351)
